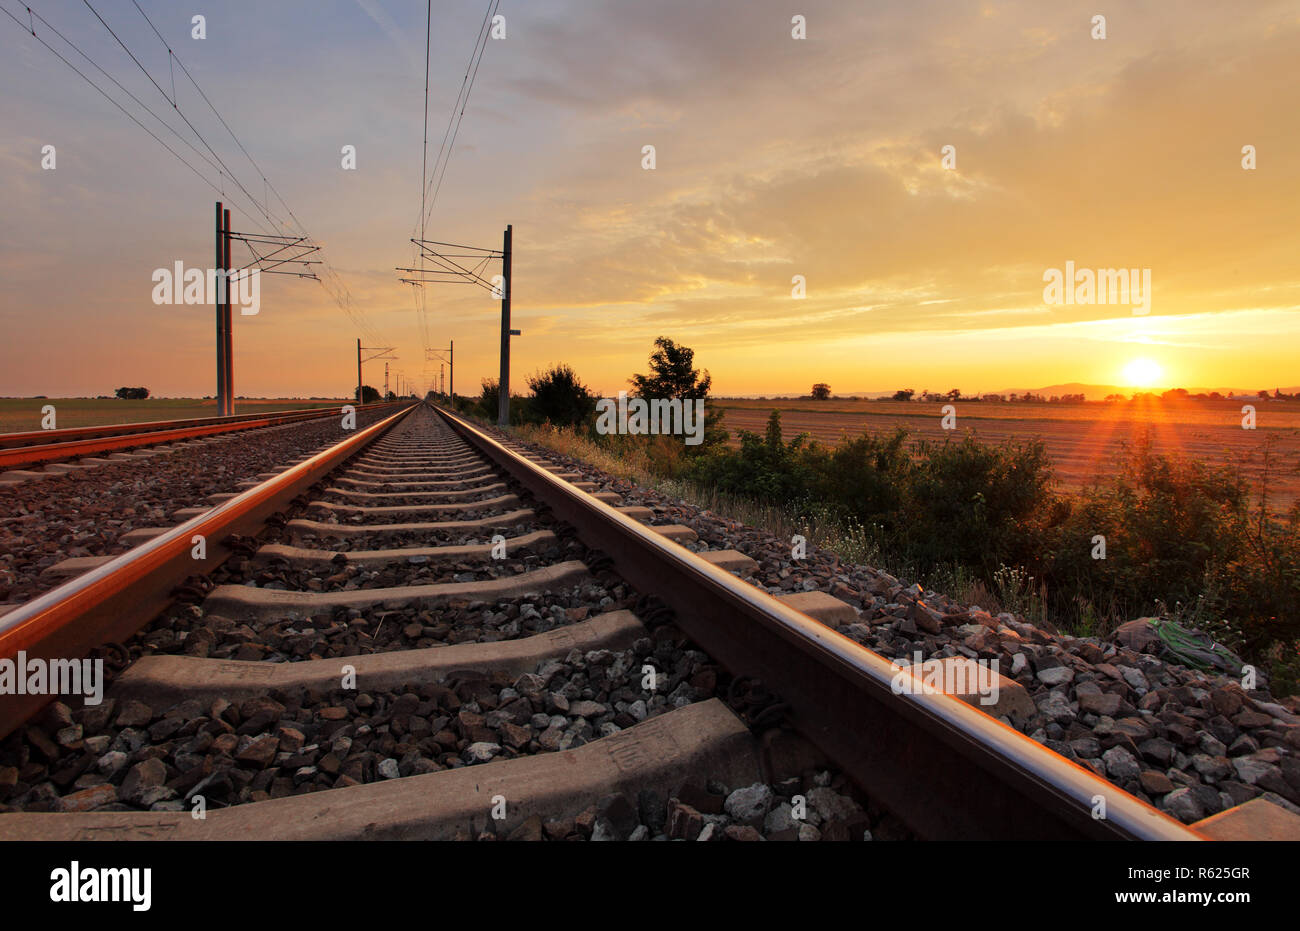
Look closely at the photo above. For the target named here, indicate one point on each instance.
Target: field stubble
(1082, 440)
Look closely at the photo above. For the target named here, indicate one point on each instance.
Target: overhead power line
(273, 221)
(261, 211)
(30, 28)
(431, 182)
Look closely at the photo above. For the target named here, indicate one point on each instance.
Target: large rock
(1093, 699)
(1183, 805)
(829, 804)
(1251, 771)
(1157, 750)
(1120, 764)
(134, 714)
(141, 779)
(749, 803)
(480, 752)
(1155, 783)
(1055, 675)
(89, 799)
(1055, 706)
(684, 822)
(926, 618)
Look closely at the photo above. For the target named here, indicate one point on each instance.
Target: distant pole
(385, 381)
(230, 336)
(452, 353)
(358, 371)
(503, 383)
(219, 263)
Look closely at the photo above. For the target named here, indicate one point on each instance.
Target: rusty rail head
(37, 446)
(113, 601)
(944, 767)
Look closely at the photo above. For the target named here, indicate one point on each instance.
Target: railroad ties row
(422, 651)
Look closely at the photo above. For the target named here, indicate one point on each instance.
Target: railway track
(449, 638)
(38, 447)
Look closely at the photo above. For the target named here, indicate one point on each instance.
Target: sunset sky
(775, 157)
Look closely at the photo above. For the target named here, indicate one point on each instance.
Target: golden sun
(1143, 373)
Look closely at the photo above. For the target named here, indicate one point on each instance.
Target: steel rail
(115, 600)
(39, 437)
(46, 445)
(944, 767)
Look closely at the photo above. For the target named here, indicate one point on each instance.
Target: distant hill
(1099, 392)
(1091, 392)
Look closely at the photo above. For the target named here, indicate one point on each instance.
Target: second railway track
(449, 639)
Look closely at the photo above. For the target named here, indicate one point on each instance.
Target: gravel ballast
(123, 755)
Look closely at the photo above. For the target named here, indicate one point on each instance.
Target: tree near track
(559, 397)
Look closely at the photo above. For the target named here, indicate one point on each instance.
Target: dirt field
(18, 415)
(1082, 439)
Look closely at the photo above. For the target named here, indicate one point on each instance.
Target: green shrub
(864, 477)
(980, 505)
(1165, 521)
(559, 398)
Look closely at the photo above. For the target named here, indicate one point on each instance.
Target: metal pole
(452, 353)
(358, 371)
(230, 334)
(385, 381)
(217, 300)
(503, 383)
